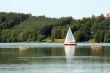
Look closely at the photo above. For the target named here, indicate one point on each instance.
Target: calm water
(63, 59)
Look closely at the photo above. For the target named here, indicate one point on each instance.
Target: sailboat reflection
(69, 53)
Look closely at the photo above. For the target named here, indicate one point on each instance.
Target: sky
(57, 8)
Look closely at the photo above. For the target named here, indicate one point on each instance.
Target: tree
(40, 38)
(107, 36)
(86, 30)
(79, 37)
(19, 27)
(99, 36)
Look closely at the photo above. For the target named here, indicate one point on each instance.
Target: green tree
(79, 37)
(107, 36)
(99, 36)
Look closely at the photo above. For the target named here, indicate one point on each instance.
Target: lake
(54, 58)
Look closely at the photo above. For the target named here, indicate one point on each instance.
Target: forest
(20, 27)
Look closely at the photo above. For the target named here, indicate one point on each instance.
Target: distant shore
(19, 27)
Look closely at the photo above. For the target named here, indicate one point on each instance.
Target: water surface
(55, 60)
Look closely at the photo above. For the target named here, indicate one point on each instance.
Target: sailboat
(69, 40)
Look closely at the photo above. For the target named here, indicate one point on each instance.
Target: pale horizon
(57, 8)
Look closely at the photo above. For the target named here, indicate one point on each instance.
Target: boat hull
(70, 44)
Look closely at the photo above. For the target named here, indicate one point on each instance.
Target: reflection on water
(69, 53)
(52, 60)
(97, 51)
(22, 49)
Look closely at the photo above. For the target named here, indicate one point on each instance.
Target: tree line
(19, 27)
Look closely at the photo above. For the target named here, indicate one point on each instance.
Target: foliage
(19, 27)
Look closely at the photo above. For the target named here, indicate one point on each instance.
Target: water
(52, 59)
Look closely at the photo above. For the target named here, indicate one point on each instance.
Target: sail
(69, 36)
